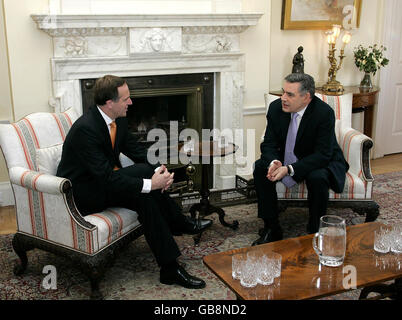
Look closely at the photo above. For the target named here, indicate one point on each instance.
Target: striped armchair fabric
(46, 214)
(356, 146)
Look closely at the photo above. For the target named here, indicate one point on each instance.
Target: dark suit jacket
(316, 146)
(88, 160)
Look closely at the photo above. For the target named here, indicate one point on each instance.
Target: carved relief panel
(155, 40)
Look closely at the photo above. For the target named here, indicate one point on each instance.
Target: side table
(207, 150)
(363, 101)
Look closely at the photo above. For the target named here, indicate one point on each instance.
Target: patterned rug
(135, 274)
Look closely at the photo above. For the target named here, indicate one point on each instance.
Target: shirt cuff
(147, 185)
(292, 172)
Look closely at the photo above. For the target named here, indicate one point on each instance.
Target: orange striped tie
(113, 132)
(113, 138)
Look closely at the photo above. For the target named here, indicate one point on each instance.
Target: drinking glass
(254, 255)
(265, 271)
(382, 240)
(238, 259)
(331, 238)
(248, 276)
(396, 239)
(275, 259)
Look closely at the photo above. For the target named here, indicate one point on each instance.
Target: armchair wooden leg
(20, 248)
(95, 275)
(370, 209)
(95, 267)
(372, 212)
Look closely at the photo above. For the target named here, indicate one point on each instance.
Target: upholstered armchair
(47, 217)
(358, 190)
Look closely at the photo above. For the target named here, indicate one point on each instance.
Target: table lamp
(333, 86)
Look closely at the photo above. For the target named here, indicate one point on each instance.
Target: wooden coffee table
(303, 277)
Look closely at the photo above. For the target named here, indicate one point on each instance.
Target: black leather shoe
(194, 226)
(181, 277)
(268, 235)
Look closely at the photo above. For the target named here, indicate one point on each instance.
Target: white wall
(29, 57)
(6, 109)
(5, 93)
(255, 43)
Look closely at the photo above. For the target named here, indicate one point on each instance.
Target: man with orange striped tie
(90, 159)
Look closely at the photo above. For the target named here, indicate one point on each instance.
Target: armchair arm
(356, 149)
(51, 185)
(38, 181)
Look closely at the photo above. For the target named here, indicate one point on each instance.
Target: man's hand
(279, 173)
(276, 171)
(273, 167)
(162, 179)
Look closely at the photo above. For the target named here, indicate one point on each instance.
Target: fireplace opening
(156, 112)
(186, 99)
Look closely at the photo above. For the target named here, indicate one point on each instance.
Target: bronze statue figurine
(298, 61)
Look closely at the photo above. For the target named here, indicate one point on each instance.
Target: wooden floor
(7, 220)
(390, 163)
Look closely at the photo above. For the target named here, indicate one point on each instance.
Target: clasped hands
(162, 179)
(276, 171)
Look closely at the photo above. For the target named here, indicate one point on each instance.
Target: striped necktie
(113, 138)
(113, 133)
(289, 149)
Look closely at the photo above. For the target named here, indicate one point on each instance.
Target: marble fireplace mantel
(90, 21)
(90, 46)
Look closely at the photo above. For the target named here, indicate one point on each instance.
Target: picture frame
(319, 14)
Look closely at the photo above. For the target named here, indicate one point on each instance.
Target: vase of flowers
(369, 60)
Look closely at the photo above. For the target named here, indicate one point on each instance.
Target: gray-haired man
(299, 145)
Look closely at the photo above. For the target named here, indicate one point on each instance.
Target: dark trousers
(157, 212)
(318, 182)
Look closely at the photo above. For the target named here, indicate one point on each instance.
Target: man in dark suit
(299, 145)
(91, 161)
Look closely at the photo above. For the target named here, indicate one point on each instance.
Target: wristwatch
(289, 171)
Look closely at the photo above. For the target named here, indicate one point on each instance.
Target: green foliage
(370, 59)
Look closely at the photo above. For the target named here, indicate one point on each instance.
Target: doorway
(389, 114)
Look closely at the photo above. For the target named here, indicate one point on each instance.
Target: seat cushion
(113, 223)
(354, 189)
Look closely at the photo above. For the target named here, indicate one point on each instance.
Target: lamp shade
(336, 30)
(346, 38)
